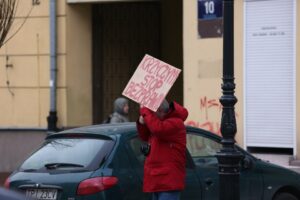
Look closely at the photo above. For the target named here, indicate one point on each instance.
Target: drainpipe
(52, 118)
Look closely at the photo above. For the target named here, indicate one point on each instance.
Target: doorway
(122, 34)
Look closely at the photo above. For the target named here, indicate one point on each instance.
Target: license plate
(42, 194)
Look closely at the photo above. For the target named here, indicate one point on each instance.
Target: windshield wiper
(58, 165)
(29, 170)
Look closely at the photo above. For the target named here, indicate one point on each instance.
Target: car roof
(110, 130)
(104, 128)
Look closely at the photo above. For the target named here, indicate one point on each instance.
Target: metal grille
(270, 73)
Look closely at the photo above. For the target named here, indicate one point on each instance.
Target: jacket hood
(177, 110)
(119, 105)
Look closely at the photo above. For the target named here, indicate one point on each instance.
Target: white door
(269, 74)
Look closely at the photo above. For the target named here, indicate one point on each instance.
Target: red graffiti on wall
(207, 125)
(207, 105)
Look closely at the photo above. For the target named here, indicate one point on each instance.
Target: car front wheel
(285, 196)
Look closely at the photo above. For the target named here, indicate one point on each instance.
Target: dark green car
(104, 162)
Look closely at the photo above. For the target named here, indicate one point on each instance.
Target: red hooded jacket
(164, 168)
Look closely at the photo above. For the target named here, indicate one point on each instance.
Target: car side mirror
(247, 162)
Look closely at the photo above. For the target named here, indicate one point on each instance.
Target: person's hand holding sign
(141, 120)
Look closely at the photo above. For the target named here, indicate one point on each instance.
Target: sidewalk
(278, 159)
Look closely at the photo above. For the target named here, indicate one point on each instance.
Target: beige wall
(26, 103)
(239, 67)
(79, 65)
(298, 82)
(202, 72)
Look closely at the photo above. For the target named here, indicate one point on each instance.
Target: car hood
(65, 182)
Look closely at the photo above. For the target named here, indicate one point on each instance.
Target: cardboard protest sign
(151, 82)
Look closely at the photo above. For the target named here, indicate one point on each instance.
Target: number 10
(209, 7)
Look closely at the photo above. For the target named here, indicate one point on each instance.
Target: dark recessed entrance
(122, 34)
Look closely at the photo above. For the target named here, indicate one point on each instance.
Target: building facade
(101, 42)
(266, 75)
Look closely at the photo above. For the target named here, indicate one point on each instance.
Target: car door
(132, 185)
(192, 189)
(128, 181)
(203, 149)
(251, 179)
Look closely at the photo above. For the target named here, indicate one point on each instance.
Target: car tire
(285, 196)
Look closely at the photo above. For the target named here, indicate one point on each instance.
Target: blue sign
(210, 9)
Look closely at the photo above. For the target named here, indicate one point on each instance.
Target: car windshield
(69, 153)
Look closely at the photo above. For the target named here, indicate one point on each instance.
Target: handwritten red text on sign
(151, 82)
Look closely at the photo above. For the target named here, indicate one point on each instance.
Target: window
(135, 144)
(202, 149)
(81, 151)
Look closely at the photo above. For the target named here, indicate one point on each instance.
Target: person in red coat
(165, 134)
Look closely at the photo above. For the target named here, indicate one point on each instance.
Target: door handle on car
(208, 181)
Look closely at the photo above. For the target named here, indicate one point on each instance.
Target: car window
(135, 144)
(85, 152)
(202, 148)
